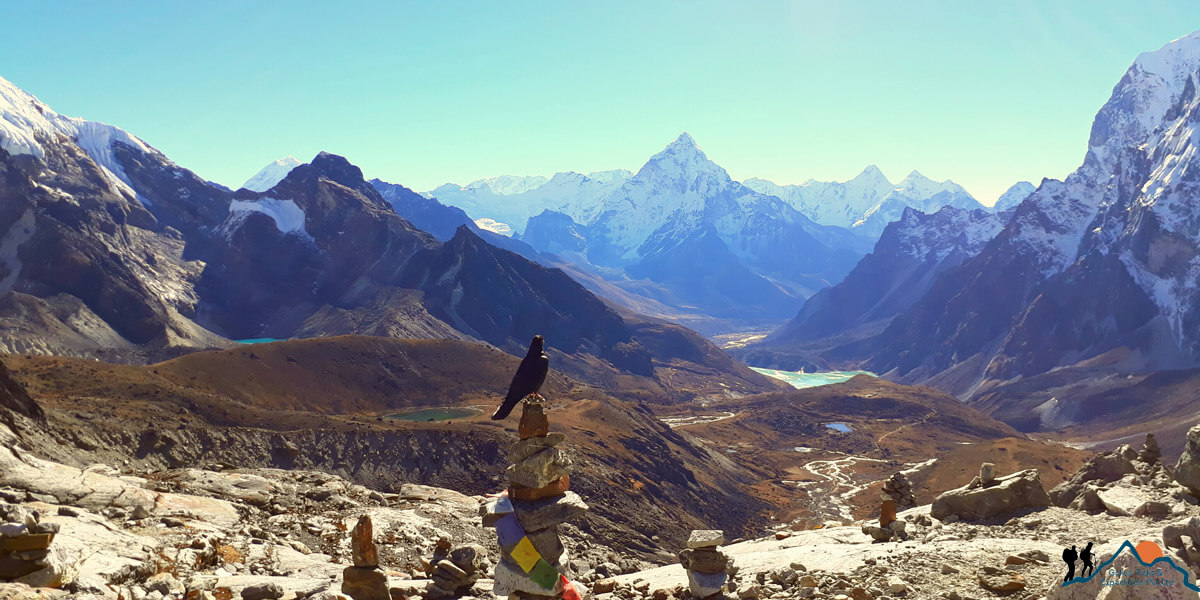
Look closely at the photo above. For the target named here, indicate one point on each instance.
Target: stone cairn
(454, 571)
(526, 516)
(364, 580)
(25, 548)
(707, 567)
(897, 495)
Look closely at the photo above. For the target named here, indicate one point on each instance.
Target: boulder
(1121, 501)
(987, 473)
(1010, 493)
(1187, 468)
(1102, 468)
(1002, 581)
(262, 591)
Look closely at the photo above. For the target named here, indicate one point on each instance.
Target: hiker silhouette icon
(1070, 555)
(1086, 557)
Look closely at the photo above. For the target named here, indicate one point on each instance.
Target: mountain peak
(272, 174)
(870, 172)
(684, 139)
(337, 169)
(26, 123)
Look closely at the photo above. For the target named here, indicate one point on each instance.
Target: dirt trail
(833, 494)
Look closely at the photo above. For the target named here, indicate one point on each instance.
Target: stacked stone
(526, 518)
(1150, 453)
(364, 580)
(707, 567)
(897, 495)
(898, 489)
(25, 549)
(454, 572)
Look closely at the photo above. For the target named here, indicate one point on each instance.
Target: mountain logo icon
(1154, 568)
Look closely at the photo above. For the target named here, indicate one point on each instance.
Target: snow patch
(493, 226)
(272, 174)
(288, 216)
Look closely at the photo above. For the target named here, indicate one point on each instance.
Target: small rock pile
(899, 489)
(526, 517)
(1184, 539)
(454, 571)
(707, 567)
(1009, 579)
(25, 548)
(364, 580)
(796, 581)
(1127, 482)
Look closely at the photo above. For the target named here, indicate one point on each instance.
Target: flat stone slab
(706, 538)
(540, 514)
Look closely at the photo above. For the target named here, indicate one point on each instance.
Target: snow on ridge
(272, 174)
(288, 216)
(1013, 196)
(26, 123)
(493, 226)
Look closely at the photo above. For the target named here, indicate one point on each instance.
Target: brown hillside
(319, 404)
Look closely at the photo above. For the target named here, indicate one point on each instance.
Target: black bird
(528, 380)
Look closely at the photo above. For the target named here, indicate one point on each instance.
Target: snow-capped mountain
(1013, 196)
(271, 174)
(831, 202)
(510, 201)
(868, 202)
(1102, 267)
(711, 242)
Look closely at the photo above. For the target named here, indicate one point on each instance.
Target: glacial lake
(801, 380)
(259, 341)
(444, 413)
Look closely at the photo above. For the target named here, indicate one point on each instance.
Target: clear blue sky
(985, 93)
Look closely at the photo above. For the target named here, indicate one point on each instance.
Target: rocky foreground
(258, 534)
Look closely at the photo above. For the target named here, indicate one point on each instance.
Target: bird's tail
(503, 411)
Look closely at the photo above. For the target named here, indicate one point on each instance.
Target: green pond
(445, 413)
(801, 380)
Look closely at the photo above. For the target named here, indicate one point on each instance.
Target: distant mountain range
(680, 238)
(866, 203)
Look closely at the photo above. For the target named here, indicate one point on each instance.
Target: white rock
(705, 538)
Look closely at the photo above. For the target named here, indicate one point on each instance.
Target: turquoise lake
(259, 341)
(445, 413)
(801, 380)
